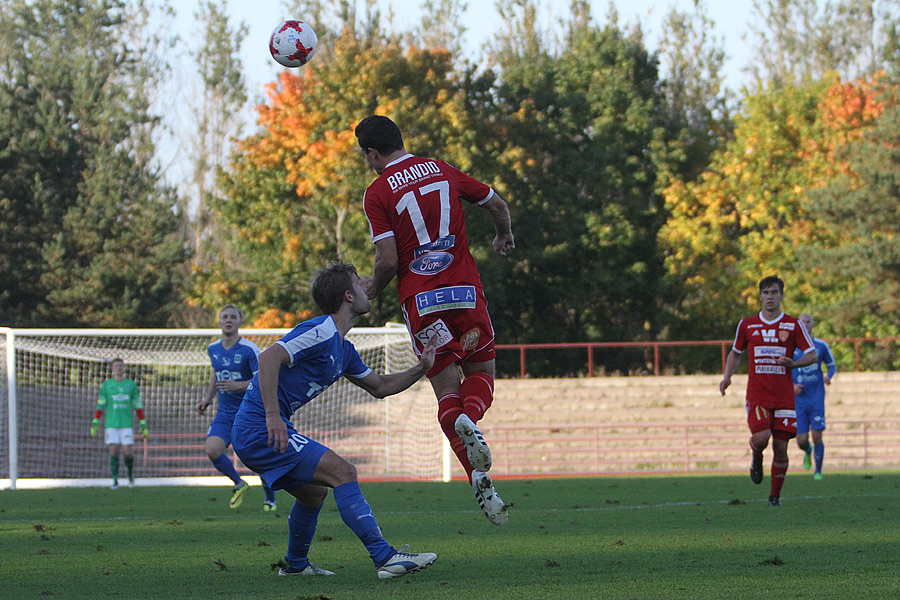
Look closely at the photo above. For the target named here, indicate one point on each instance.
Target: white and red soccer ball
(293, 43)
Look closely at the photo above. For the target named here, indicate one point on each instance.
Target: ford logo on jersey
(430, 263)
(448, 298)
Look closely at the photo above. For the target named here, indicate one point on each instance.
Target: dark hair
(329, 285)
(380, 133)
(770, 281)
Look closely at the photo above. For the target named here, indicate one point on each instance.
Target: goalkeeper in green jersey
(118, 397)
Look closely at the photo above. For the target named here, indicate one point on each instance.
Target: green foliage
(743, 218)
(89, 232)
(861, 210)
(576, 142)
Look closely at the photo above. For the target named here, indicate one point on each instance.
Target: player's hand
(426, 359)
(202, 406)
(278, 435)
(504, 243)
(827, 380)
(228, 385)
(367, 283)
(784, 361)
(94, 425)
(144, 431)
(723, 385)
(798, 389)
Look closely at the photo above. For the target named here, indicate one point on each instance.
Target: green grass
(690, 537)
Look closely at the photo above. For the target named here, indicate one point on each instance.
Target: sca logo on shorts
(430, 263)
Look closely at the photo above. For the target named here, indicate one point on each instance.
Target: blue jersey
(810, 377)
(319, 356)
(238, 363)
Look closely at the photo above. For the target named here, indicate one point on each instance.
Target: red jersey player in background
(771, 338)
(418, 226)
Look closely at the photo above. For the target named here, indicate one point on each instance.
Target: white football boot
(491, 504)
(405, 562)
(476, 448)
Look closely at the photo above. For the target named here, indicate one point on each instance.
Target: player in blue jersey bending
(292, 372)
(809, 400)
(234, 362)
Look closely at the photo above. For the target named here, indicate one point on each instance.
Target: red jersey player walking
(770, 338)
(418, 226)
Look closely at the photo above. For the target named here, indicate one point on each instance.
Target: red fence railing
(723, 345)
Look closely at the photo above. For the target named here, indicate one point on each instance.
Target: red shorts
(782, 422)
(458, 316)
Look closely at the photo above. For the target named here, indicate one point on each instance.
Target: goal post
(50, 380)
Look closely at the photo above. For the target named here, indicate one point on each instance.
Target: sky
(480, 20)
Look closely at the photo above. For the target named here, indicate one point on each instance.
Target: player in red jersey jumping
(418, 226)
(771, 338)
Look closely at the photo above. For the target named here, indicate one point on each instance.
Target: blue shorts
(221, 426)
(280, 470)
(810, 416)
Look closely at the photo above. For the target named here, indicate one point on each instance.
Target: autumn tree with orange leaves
(293, 190)
(752, 212)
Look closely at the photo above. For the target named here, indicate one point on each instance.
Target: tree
(293, 190)
(692, 63)
(217, 119)
(799, 39)
(749, 215)
(574, 135)
(860, 207)
(90, 234)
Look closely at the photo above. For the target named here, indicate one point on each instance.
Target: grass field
(688, 537)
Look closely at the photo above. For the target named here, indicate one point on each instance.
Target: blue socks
(270, 493)
(819, 454)
(223, 465)
(357, 514)
(302, 527)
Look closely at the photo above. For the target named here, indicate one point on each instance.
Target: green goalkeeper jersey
(118, 399)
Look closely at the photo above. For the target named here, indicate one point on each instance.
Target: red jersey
(770, 384)
(417, 200)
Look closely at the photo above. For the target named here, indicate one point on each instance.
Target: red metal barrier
(724, 346)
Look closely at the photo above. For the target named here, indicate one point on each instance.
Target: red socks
(477, 393)
(779, 469)
(449, 409)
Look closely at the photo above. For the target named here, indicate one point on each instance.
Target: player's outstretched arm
(386, 263)
(382, 386)
(498, 209)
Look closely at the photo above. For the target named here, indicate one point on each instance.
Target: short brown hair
(329, 285)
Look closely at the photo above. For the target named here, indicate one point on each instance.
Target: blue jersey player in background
(809, 399)
(234, 362)
(292, 372)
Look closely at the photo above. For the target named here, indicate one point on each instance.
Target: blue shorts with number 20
(280, 470)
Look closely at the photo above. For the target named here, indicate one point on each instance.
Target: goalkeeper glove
(144, 431)
(94, 424)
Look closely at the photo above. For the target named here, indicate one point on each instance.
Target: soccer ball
(293, 44)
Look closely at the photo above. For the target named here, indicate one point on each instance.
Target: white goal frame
(53, 375)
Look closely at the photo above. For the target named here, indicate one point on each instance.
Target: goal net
(50, 380)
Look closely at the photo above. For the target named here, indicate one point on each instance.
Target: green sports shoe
(817, 476)
(238, 495)
(270, 506)
(807, 459)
